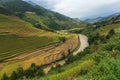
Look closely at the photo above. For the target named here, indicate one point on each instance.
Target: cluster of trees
(4, 11)
(43, 27)
(88, 50)
(33, 71)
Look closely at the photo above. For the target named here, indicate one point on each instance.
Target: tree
(20, 72)
(63, 39)
(40, 72)
(14, 76)
(5, 77)
(110, 34)
(69, 51)
(31, 71)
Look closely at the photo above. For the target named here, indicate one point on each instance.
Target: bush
(110, 34)
(62, 39)
(83, 71)
(5, 77)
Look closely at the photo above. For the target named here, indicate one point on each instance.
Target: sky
(83, 9)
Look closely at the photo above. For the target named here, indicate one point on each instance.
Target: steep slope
(50, 19)
(19, 33)
(101, 57)
(18, 36)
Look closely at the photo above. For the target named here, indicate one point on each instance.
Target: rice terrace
(59, 40)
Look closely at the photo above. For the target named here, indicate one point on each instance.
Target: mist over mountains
(81, 9)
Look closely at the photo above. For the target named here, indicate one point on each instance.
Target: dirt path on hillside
(31, 54)
(83, 44)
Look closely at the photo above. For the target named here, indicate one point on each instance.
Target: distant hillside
(4, 1)
(91, 21)
(109, 20)
(100, 19)
(51, 19)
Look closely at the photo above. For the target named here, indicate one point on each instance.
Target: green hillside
(100, 61)
(18, 36)
(48, 18)
(22, 27)
(4, 11)
(32, 39)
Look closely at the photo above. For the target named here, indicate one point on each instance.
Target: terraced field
(40, 56)
(18, 36)
(13, 45)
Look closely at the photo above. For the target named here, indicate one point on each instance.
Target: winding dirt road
(83, 44)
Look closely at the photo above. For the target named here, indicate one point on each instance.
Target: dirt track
(32, 54)
(83, 43)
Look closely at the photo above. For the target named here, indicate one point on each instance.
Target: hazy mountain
(99, 19)
(91, 21)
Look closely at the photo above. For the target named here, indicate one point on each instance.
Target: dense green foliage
(32, 71)
(4, 11)
(108, 58)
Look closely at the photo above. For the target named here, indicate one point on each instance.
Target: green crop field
(12, 45)
(18, 36)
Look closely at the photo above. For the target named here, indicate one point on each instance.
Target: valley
(37, 43)
(40, 56)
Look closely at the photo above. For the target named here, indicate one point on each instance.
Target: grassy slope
(12, 66)
(108, 65)
(71, 71)
(104, 30)
(51, 21)
(17, 36)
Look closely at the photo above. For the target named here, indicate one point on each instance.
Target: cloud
(82, 8)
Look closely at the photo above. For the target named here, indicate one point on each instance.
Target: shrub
(62, 39)
(110, 34)
(5, 77)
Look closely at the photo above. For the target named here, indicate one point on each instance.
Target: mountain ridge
(51, 19)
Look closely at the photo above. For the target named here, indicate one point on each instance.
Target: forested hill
(39, 16)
